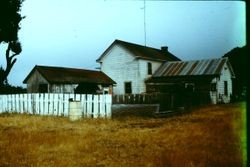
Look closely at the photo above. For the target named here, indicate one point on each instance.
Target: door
(225, 88)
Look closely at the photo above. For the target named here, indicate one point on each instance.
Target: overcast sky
(74, 33)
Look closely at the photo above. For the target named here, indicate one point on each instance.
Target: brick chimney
(164, 48)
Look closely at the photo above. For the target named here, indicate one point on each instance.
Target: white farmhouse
(130, 65)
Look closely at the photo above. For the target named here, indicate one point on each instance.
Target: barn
(212, 77)
(49, 79)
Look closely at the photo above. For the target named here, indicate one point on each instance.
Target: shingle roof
(142, 52)
(62, 75)
(192, 68)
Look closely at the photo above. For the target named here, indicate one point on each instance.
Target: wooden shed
(212, 77)
(48, 79)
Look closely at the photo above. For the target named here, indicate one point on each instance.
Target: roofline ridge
(118, 40)
(62, 67)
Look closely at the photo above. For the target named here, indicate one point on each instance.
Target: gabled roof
(142, 52)
(209, 67)
(62, 75)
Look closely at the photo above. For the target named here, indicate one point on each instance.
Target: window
(213, 87)
(189, 87)
(149, 68)
(128, 87)
(225, 88)
(43, 88)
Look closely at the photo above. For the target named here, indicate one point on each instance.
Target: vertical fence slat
(95, 107)
(89, 106)
(25, 103)
(21, 103)
(42, 111)
(37, 98)
(29, 107)
(17, 102)
(55, 105)
(84, 105)
(46, 104)
(108, 102)
(102, 106)
(50, 104)
(60, 103)
(77, 97)
(66, 105)
(8, 104)
(12, 103)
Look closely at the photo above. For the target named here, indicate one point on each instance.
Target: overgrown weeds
(209, 136)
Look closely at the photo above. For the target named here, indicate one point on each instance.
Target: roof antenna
(145, 35)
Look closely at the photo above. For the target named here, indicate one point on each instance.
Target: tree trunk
(10, 61)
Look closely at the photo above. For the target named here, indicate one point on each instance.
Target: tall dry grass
(209, 136)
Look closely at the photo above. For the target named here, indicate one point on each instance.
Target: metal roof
(142, 52)
(62, 75)
(192, 68)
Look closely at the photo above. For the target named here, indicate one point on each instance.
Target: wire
(145, 34)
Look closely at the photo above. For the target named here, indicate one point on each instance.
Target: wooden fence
(167, 101)
(135, 99)
(93, 106)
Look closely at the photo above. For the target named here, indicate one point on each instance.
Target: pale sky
(74, 33)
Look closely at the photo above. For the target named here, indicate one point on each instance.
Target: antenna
(145, 34)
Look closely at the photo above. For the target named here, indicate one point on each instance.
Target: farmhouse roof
(207, 67)
(62, 75)
(142, 52)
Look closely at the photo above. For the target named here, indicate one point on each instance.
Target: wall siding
(143, 73)
(62, 88)
(122, 67)
(37, 78)
(225, 76)
(214, 94)
(34, 81)
(219, 96)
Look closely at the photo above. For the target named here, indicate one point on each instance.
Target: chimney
(164, 48)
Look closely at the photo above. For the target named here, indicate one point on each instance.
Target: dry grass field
(208, 136)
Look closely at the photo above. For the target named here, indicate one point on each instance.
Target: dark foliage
(239, 60)
(8, 89)
(10, 18)
(5, 88)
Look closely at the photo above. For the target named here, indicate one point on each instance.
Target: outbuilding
(212, 77)
(48, 79)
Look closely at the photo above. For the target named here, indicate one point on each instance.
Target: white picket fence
(93, 106)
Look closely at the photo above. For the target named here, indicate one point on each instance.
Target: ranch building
(212, 77)
(48, 79)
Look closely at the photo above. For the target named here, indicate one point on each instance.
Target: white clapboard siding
(93, 106)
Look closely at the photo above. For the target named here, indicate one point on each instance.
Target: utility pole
(145, 34)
